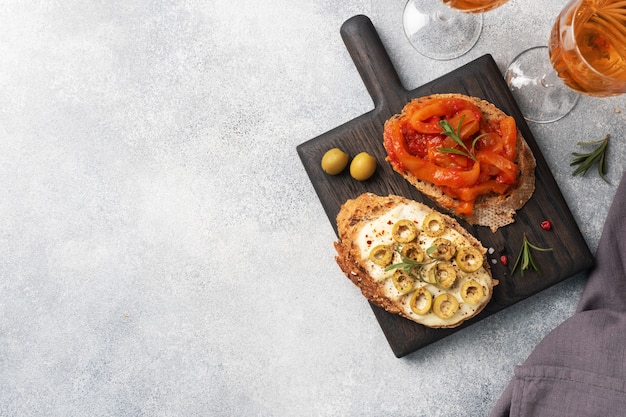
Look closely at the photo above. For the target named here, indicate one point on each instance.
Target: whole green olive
(334, 161)
(362, 166)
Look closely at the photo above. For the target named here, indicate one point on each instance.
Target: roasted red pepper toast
(465, 154)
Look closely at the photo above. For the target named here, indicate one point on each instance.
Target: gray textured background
(162, 251)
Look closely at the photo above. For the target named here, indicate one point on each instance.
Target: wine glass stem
(549, 80)
(443, 17)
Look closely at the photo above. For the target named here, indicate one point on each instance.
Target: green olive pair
(362, 166)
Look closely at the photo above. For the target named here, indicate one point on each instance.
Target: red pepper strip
(425, 118)
(472, 193)
(491, 141)
(509, 137)
(422, 169)
(507, 169)
(464, 207)
(470, 123)
(460, 207)
(425, 122)
(448, 160)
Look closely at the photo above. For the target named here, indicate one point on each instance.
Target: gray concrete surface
(162, 251)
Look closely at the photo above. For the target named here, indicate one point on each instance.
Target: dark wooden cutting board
(479, 78)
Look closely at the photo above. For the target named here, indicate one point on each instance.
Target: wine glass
(586, 55)
(445, 29)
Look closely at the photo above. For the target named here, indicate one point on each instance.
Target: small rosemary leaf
(602, 169)
(449, 131)
(581, 170)
(517, 261)
(525, 258)
(593, 142)
(431, 249)
(534, 265)
(580, 158)
(454, 137)
(598, 153)
(476, 140)
(578, 161)
(538, 248)
(458, 128)
(453, 150)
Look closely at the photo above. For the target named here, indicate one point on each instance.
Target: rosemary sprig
(408, 265)
(525, 258)
(596, 157)
(455, 135)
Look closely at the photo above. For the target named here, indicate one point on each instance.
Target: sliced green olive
(413, 251)
(334, 161)
(469, 259)
(404, 231)
(381, 255)
(434, 225)
(472, 292)
(443, 274)
(445, 305)
(443, 249)
(421, 301)
(402, 281)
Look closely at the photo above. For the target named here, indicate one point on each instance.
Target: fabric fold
(579, 368)
(566, 392)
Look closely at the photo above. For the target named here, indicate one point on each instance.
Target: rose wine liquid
(588, 46)
(474, 6)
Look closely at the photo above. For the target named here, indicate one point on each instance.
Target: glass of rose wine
(586, 55)
(445, 29)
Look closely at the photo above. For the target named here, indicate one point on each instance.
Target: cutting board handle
(371, 60)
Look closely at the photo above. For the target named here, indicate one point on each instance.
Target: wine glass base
(539, 92)
(439, 32)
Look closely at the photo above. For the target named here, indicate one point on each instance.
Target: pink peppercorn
(546, 225)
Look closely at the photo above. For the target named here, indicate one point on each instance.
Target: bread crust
(354, 214)
(491, 210)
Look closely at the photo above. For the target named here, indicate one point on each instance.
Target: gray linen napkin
(579, 369)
